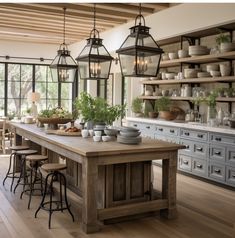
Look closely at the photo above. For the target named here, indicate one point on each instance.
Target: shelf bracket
(191, 40)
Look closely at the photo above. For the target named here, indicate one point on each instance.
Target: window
(2, 89)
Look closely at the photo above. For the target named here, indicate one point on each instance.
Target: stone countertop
(183, 124)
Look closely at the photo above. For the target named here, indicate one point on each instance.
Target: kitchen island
(115, 179)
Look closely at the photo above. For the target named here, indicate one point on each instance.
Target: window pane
(67, 104)
(52, 90)
(41, 88)
(2, 71)
(2, 89)
(52, 103)
(66, 91)
(13, 107)
(2, 107)
(26, 73)
(41, 73)
(13, 72)
(13, 89)
(26, 87)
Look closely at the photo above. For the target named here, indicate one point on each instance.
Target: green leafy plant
(97, 109)
(211, 99)
(57, 112)
(163, 104)
(137, 105)
(222, 38)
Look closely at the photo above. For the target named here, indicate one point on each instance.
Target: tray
(63, 133)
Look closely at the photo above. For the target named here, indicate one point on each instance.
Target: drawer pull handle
(147, 127)
(185, 162)
(200, 136)
(218, 171)
(217, 138)
(186, 133)
(160, 129)
(217, 152)
(199, 148)
(187, 146)
(135, 125)
(172, 131)
(233, 175)
(199, 166)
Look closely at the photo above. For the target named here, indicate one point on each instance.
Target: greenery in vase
(57, 112)
(137, 105)
(222, 38)
(163, 104)
(211, 99)
(97, 109)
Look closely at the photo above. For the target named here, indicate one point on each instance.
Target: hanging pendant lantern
(139, 55)
(63, 67)
(94, 61)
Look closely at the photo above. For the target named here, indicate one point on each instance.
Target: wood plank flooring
(204, 211)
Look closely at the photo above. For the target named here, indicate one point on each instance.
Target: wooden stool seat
(36, 157)
(19, 147)
(50, 167)
(26, 152)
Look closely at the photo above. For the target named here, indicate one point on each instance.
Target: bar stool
(54, 173)
(35, 161)
(23, 171)
(11, 173)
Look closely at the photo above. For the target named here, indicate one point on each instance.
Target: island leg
(169, 169)
(89, 192)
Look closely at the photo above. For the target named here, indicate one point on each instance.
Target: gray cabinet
(207, 154)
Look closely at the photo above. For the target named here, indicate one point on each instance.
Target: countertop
(183, 124)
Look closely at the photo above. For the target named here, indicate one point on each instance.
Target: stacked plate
(129, 135)
(195, 50)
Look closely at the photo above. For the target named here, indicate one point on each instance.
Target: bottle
(220, 116)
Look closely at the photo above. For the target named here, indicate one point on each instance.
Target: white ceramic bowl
(215, 73)
(170, 75)
(225, 69)
(214, 67)
(183, 53)
(111, 132)
(198, 50)
(96, 138)
(173, 55)
(225, 47)
(148, 93)
(191, 73)
(165, 57)
(105, 138)
(203, 74)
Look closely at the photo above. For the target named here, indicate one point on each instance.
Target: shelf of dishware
(201, 59)
(224, 79)
(218, 99)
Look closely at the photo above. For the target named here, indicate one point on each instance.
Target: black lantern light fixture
(63, 67)
(94, 61)
(139, 55)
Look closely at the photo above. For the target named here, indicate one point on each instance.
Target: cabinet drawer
(198, 135)
(171, 139)
(185, 162)
(223, 139)
(217, 153)
(217, 171)
(199, 167)
(147, 130)
(230, 175)
(200, 150)
(230, 155)
(188, 144)
(136, 125)
(173, 131)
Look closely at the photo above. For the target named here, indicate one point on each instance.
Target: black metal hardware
(187, 146)
(217, 138)
(160, 129)
(199, 148)
(172, 131)
(199, 166)
(186, 133)
(135, 125)
(233, 176)
(200, 136)
(185, 162)
(218, 171)
(217, 152)
(147, 127)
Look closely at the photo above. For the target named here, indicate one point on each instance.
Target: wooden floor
(204, 211)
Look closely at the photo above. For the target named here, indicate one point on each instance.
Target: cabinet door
(217, 172)
(185, 163)
(217, 153)
(230, 175)
(199, 167)
(230, 158)
(195, 135)
(167, 130)
(200, 150)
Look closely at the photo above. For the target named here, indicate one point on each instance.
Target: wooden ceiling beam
(59, 12)
(44, 16)
(157, 6)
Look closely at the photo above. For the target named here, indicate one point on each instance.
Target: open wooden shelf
(219, 99)
(224, 79)
(202, 59)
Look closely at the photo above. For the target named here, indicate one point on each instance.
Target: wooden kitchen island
(112, 180)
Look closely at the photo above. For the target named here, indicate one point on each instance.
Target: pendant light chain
(94, 19)
(64, 26)
(140, 12)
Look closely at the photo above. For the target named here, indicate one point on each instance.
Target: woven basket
(167, 115)
(54, 120)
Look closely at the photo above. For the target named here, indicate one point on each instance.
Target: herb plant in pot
(97, 110)
(154, 113)
(163, 105)
(137, 107)
(224, 43)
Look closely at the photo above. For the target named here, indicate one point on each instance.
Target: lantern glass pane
(83, 69)
(99, 69)
(85, 51)
(130, 41)
(127, 63)
(54, 74)
(66, 75)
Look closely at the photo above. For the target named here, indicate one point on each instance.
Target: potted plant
(137, 107)
(97, 110)
(224, 42)
(211, 102)
(163, 105)
(154, 113)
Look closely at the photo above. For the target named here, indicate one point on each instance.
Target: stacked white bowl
(195, 50)
(129, 135)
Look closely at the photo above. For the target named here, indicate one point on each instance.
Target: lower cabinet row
(203, 168)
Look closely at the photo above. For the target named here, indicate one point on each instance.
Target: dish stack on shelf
(129, 135)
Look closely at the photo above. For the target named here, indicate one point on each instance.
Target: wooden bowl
(54, 120)
(167, 115)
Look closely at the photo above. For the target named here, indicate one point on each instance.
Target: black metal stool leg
(31, 185)
(61, 195)
(65, 196)
(21, 175)
(50, 202)
(9, 169)
(13, 172)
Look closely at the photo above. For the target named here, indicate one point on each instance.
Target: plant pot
(153, 114)
(167, 115)
(138, 114)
